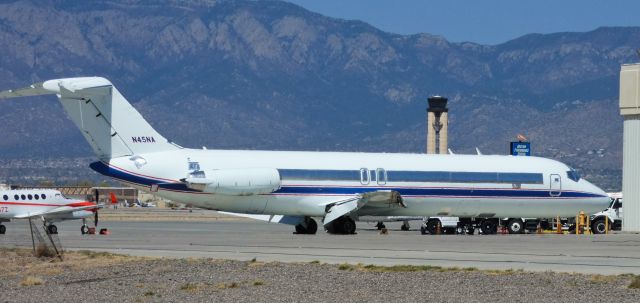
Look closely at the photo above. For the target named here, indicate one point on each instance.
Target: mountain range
(272, 75)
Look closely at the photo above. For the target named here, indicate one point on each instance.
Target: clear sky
(481, 21)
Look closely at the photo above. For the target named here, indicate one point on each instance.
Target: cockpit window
(573, 174)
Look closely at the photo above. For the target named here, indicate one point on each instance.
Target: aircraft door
(555, 184)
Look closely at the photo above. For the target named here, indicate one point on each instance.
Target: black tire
(380, 226)
(488, 227)
(404, 227)
(598, 226)
(52, 229)
(312, 226)
(300, 230)
(3, 229)
(432, 226)
(84, 229)
(423, 230)
(348, 226)
(515, 226)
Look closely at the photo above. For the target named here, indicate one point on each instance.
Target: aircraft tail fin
(111, 125)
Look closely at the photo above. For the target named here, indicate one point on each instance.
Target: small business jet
(50, 205)
(294, 187)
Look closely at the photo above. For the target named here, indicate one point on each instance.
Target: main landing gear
(308, 227)
(3, 229)
(343, 226)
(52, 229)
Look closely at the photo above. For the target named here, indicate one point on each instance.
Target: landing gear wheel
(380, 226)
(488, 227)
(515, 226)
(312, 226)
(52, 229)
(432, 226)
(3, 229)
(348, 226)
(342, 225)
(423, 230)
(84, 229)
(309, 227)
(405, 226)
(599, 226)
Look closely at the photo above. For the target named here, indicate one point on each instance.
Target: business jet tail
(106, 119)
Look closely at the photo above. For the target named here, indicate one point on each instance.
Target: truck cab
(613, 214)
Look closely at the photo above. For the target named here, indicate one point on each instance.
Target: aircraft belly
(487, 207)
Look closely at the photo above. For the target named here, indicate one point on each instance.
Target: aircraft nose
(590, 188)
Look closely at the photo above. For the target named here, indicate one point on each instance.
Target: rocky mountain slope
(271, 75)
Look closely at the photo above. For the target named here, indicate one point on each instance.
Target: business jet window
(23, 197)
(16, 197)
(5, 197)
(36, 196)
(44, 196)
(30, 197)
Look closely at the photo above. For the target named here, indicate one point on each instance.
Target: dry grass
(258, 282)
(31, 281)
(190, 286)
(603, 279)
(21, 262)
(635, 283)
(402, 268)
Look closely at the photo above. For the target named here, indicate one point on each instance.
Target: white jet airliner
(292, 187)
(48, 204)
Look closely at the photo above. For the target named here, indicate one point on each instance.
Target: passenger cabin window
(364, 176)
(23, 197)
(16, 197)
(372, 173)
(5, 197)
(36, 196)
(381, 175)
(30, 197)
(44, 196)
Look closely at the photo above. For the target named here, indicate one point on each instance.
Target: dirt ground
(86, 276)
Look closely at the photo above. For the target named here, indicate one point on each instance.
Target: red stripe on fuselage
(75, 204)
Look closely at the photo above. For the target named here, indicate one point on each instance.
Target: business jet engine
(236, 182)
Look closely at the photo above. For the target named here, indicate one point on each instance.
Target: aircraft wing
(57, 211)
(290, 220)
(336, 209)
(376, 199)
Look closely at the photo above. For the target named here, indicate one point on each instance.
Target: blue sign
(521, 148)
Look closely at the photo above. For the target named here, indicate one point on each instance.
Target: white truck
(613, 214)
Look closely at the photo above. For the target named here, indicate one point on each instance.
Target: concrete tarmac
(245, 240)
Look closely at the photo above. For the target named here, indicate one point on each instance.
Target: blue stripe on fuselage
(109, 171)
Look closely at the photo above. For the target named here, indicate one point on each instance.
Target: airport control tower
(437, 125)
